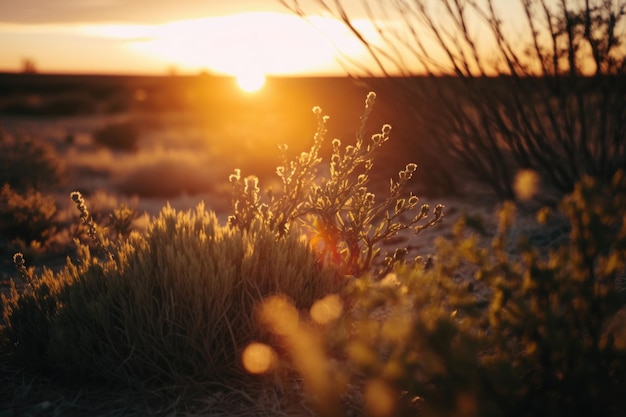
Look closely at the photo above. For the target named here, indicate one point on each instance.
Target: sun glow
(271, 43)
(251, 81)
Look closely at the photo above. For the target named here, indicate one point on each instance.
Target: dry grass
(23, 393)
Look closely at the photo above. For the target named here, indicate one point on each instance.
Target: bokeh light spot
(258, 358)
(326, 309)
(280, 315)
(526, 184)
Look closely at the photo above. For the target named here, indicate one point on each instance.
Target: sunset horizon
(154, 38)
(261, 39)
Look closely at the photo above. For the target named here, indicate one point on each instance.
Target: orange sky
(154, 36)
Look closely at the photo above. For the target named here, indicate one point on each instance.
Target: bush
(28, 163)
(28, 216)
(539, 333)
(539, 89)
(346, 223)
(118, 136)
(175, 305)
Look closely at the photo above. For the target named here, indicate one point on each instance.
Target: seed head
(370, 100)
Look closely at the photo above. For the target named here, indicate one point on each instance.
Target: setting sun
(251, 81)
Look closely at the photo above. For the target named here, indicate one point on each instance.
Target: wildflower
(235, 177)
(88, 221)
(370, 100)
(20, 265)
(251, 184)
(399, 205)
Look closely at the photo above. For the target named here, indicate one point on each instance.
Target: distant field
(240, 122)
(175, 115)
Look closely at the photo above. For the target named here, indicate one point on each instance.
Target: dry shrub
(121, 136)
(536, 333)
(174, 305)
(28, 163)
(348, 224)
(488, 89)
(28, 216)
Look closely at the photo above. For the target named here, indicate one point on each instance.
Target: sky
(186, 36)
(160, 36)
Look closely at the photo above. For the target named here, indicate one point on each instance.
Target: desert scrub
(346, 222)
(171, 306)
(121, 136)
(533, 333)
(28, 216)
(28, 163)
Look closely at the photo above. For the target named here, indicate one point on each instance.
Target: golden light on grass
(251, 81)
(258, 358)
(526, 184)
(327, 309)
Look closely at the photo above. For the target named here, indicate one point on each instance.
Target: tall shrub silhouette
(547, 94)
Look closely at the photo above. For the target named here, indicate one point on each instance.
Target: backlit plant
(28, 215)
(347, 224)
(173, 306)
(540, 332)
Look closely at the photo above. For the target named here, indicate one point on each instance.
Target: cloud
(136, 11)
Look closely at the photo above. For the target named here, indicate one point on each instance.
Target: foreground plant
(538, 333)
(347, 224)
(173, 306)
